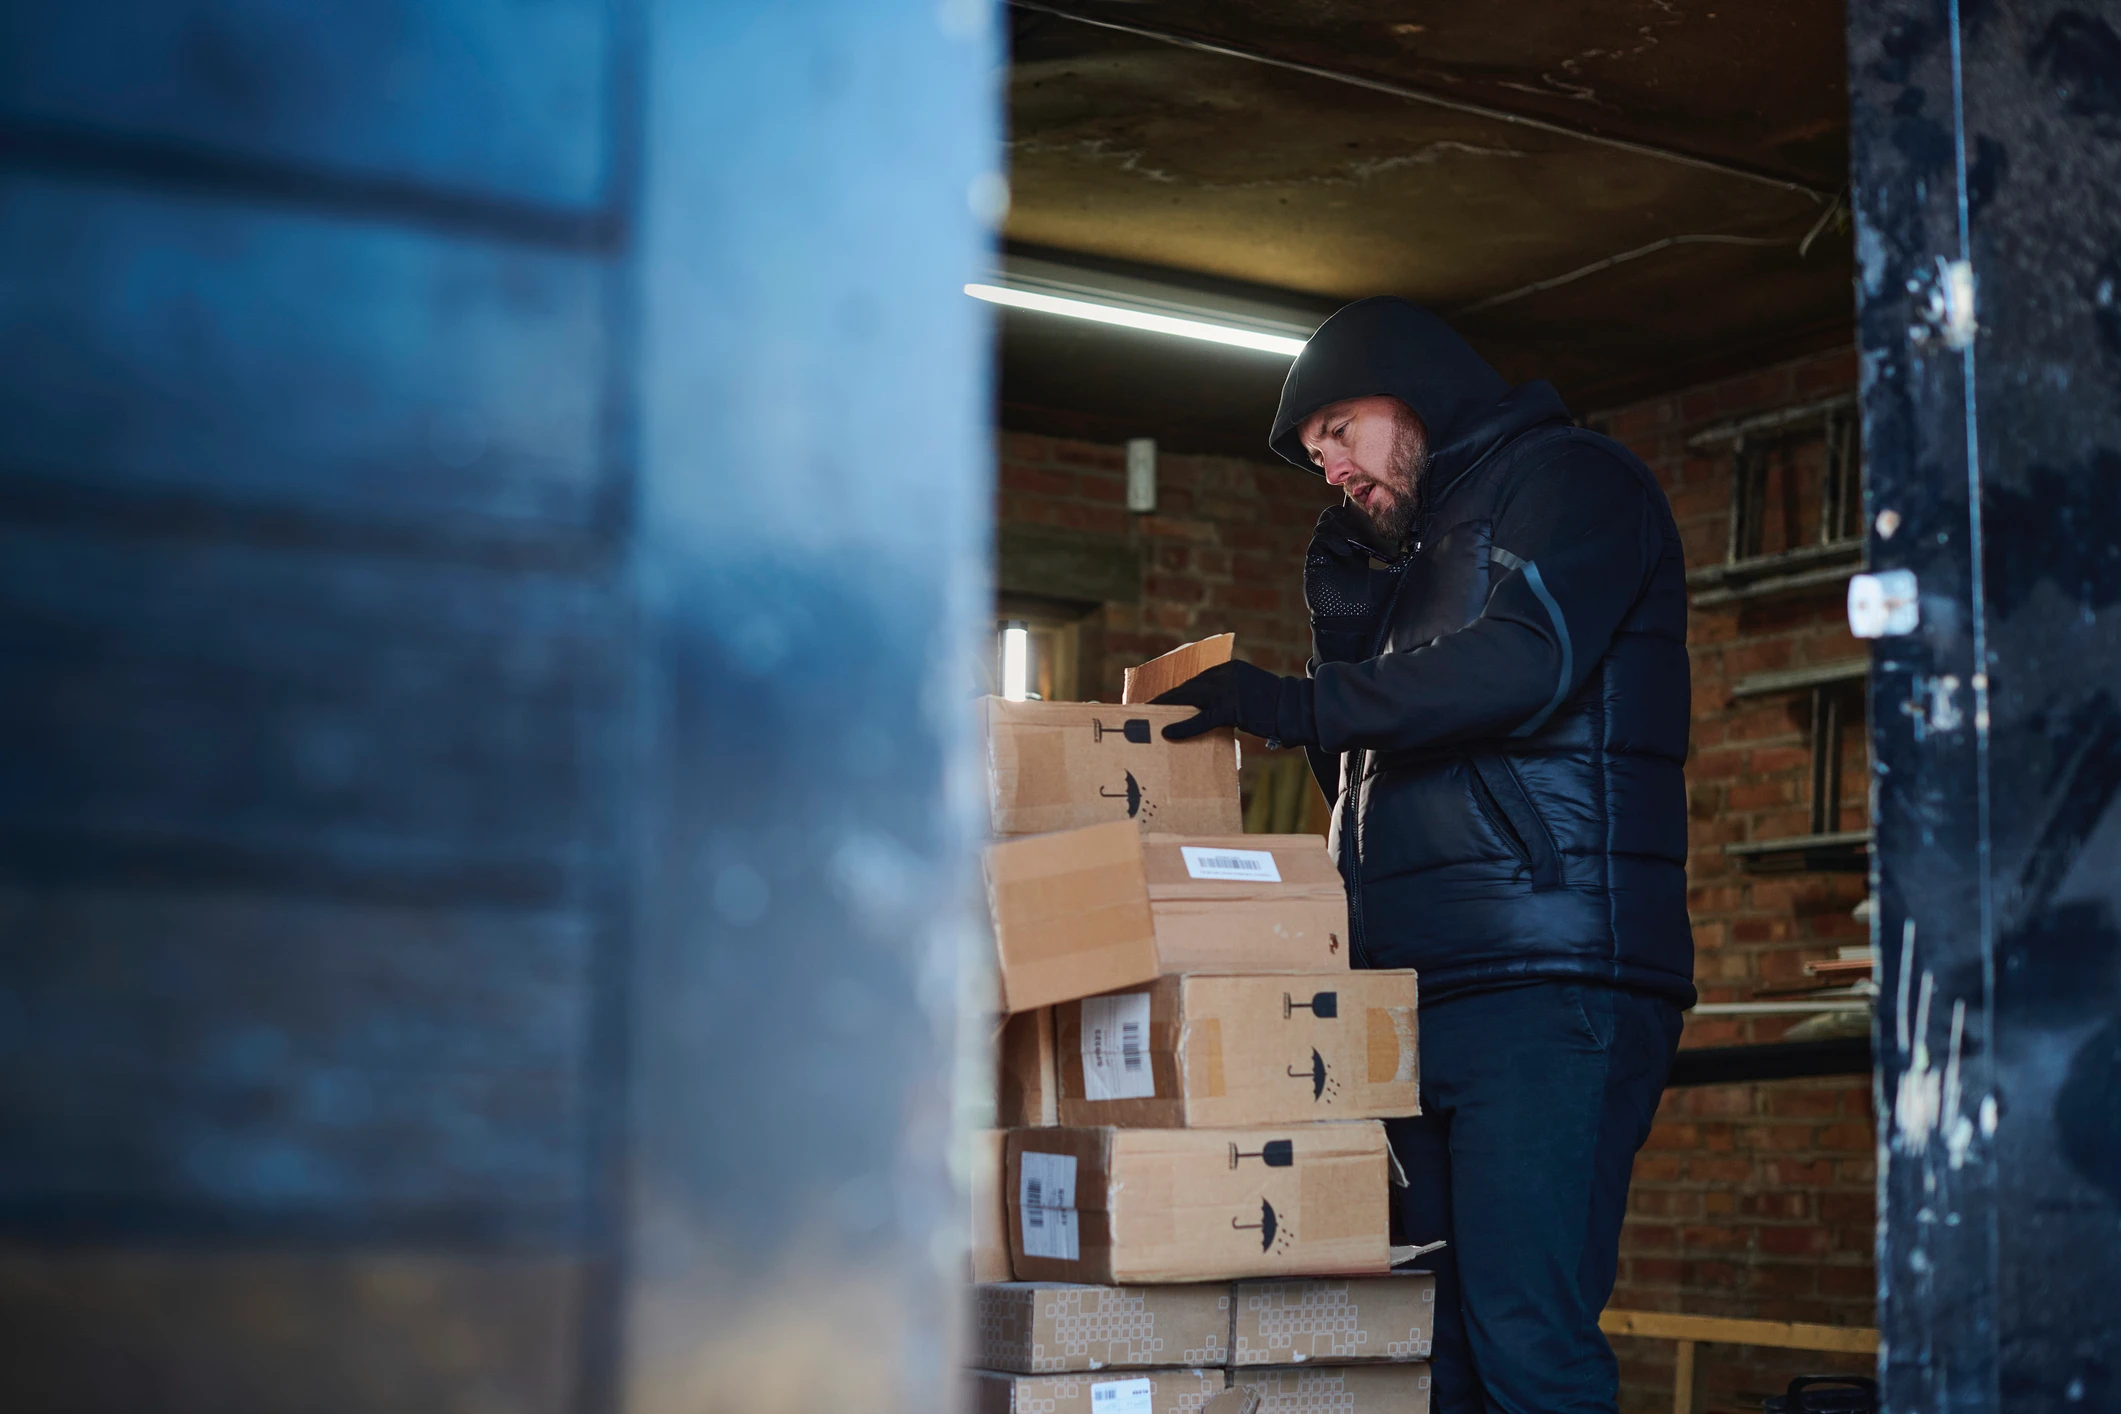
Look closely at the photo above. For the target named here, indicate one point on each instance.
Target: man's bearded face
(1376, 451)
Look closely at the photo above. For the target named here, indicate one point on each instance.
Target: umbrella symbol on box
(1275, 1154)
(1317, 1072)
(1266, 1227)
(1133, 794)
(1324, 1005)
(1134, 729)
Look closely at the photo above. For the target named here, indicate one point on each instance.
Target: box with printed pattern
(1039, 1328)
(1333, 1320)
(1149, 1392)
(1207, 1050)
(1343, 1389)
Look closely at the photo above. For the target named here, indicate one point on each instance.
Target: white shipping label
(1046, 1198)
(1116, 1048)
(1122, 1397)
(1246, 866)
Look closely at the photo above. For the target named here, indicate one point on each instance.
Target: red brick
(1099, 520)
(1037, 480)
(1713, 1239)
(1707, 1170)
(1762, 760)
(1850, 1138)
(1169, 528)
(1095, 487)
(1673, 1136)
(1260, 598)
(1794, 1102)
(1022, 446)
(1852, 1282)
(1183, 589)
(1759, 795)
(1847, 1207)
(1091, 455)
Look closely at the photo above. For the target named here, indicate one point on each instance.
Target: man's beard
(1402, 489)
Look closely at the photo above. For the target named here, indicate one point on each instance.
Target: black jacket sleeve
(1574, 545)
(1325, 765)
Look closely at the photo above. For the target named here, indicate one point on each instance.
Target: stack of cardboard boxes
(1191, 1188)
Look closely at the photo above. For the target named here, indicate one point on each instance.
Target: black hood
(1390, 347)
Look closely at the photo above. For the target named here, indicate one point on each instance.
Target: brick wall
(1753, 1200)
(1748, 1200)
(1222, 553)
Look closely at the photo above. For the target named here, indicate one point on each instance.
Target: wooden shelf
(1802, 679)
(1804, 570)
(1835, 852)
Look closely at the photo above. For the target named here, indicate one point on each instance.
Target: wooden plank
(1683, 1379)
(1724, 1330)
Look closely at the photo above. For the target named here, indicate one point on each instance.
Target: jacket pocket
(1509, 808)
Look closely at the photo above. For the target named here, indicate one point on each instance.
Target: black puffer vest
(1559, 854)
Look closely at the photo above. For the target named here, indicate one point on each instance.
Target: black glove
(1345, 596)
(1236, 694)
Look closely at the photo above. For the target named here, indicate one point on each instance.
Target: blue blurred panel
(283, 360)
(306, 721)
(174, 1061)
(510, 98)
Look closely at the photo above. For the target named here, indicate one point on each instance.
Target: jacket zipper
(1351, 798)
(1350, 861)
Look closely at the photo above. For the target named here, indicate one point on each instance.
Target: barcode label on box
(1116, 1048)
(1123, 1397)
(1246, 866)
(1046, 1199)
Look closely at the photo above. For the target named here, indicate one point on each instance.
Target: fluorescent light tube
(1016, 661)
(1100, 313)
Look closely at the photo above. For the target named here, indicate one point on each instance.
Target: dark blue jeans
(1534, 1099)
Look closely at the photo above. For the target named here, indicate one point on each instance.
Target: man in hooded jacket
(1497, 709)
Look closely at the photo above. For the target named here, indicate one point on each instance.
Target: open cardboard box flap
(1159, 675)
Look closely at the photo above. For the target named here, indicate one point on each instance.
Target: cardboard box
(1036, 1328)
(1079, 912)
(1344, 1389)
(1071, 915)
(990, 1213)
(1272, 1048)
(1333, 1320)
(1063, 765)
(1159, 675)
(1245, 903)
(1027, 1081)
(1144, 1206)
(1148, 1392)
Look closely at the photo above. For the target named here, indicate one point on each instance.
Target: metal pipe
(1433, 99)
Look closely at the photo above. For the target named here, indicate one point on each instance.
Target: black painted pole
(1987, 189)
(493, 523)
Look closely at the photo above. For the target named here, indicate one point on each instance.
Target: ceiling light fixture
(1045, 287)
